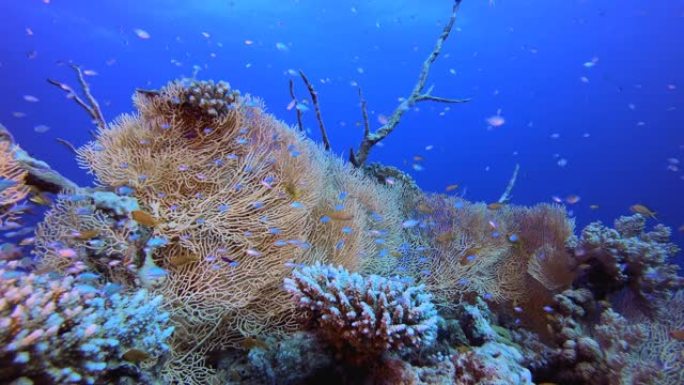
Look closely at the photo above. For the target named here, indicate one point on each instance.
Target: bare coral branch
(91, 106)
(506, 196)
(300, 126)
(317, 108)
(359, 157)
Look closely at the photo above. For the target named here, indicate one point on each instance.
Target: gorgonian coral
(14, 176)
(366, 315)
(67, 330)
(239, 199)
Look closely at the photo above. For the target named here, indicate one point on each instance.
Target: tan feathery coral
(239, 197)
(10, 170)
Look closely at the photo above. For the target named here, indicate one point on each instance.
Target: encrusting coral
(366, 315)
(68, 330)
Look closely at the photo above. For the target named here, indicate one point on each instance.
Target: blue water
(525, 58)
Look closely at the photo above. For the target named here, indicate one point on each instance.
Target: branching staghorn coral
(65, 330)
(365, 316)
(239, 199)
(630, 258)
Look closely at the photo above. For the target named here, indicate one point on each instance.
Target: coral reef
(368, 315)
(237, 200)
(630, 258)
(66, 330)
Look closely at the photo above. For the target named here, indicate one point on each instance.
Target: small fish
(643, 210)
(248, 42)
(572, 199)
(253, 253)
(124, 190)
(382, 119)
(677, 334)
(302, 107)
(417, 167)
(451, 187)
(495, 121)
(340, 216)
(594, 207)
(135, 355)
(141, 34)
(557, 199)
(85, 235)
(418, 158)
(296, 205)
(6, 183)
(513, 238)
(445, 237)
(40, 199)
(250, 343)
(292, 104)
(90, 72)
(144, 218)
(183, 259)
(31, 99)
(151, 273)
(681, 229)
(495, 206)
(67, 253)
(157, 242)
(282, 47)
(409, 223)
(27, 241)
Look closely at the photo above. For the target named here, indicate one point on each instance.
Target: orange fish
(144, 218)
(424, 209)
(251, 342)
(445, 237)
(340, 216)
(451, 187)
(495, 206)
(86, 235)
(677, 334)
(418, 158)
(643, 210)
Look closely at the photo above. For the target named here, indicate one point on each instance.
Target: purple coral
(371, 315)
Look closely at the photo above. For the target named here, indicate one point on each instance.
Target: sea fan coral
(368, 315)
(65, 330)
(14, 176)
(97, 228)
(238, 199)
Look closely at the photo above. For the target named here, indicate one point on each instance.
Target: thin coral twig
(294, 100)
(314, 99)
(358, 158)
(92, 107)
(506, 196)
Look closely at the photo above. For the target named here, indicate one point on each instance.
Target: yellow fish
(144, 218)
(643, 210)
(40, 199)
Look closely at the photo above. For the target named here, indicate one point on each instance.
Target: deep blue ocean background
(619, 123)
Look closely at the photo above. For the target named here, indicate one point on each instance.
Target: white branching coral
(369, 315)
(59, 331)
